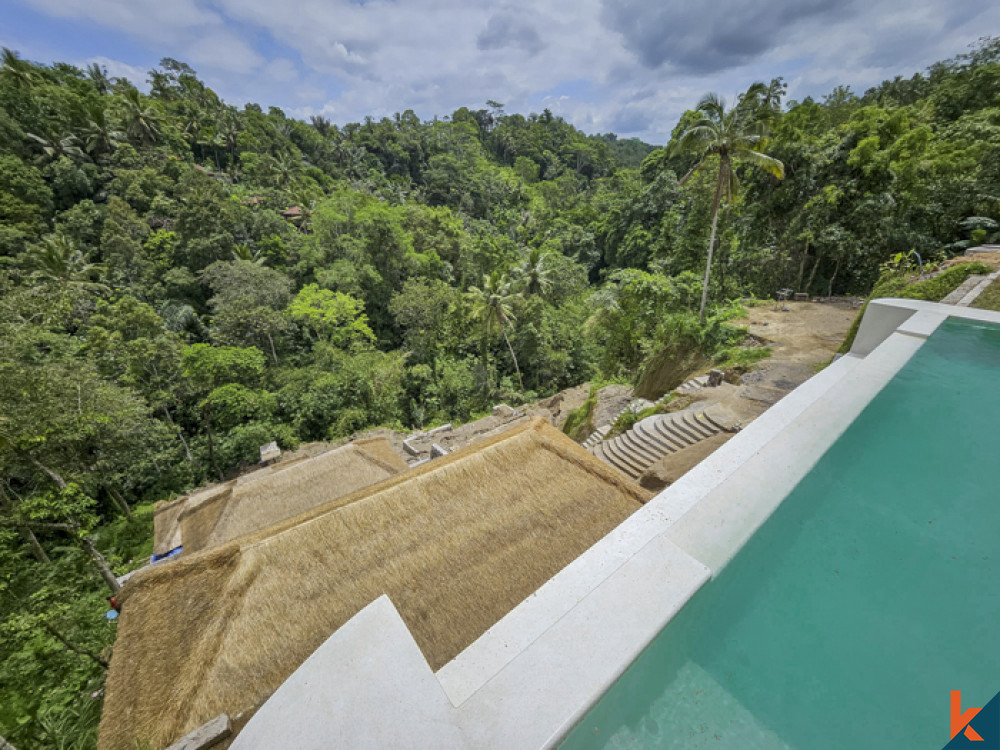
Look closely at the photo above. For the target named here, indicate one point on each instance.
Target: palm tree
(99, 134)
(59, 259)
(734, 135)
(98, 76)
(141, 123)
(19, 72)
(54, 147)
(534, 272)
(284, 169)
(491, 307)
(244, 252)
(321, 124)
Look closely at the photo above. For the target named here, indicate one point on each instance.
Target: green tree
(735, 135)
(492, 309)
(248, 303)
(335, 317)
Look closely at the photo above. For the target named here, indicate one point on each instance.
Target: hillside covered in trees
(183, 280)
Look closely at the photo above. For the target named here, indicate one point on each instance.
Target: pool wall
(533, 675)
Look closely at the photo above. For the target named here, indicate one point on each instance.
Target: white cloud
(161, 20)
(281, 70)
(222, 50)
(603, 68)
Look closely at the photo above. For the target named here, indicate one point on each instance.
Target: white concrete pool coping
(531, 677)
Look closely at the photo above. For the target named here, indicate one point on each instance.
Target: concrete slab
(367, 686)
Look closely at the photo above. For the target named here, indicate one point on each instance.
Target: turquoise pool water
(872, 592)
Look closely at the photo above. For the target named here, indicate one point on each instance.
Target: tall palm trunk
(512, 356)
(723, 175)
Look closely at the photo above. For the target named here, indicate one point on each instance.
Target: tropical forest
(185, 279)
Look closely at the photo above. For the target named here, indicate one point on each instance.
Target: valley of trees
(183, 280)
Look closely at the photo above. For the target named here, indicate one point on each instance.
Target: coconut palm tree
(99, 77)
(734, 135)
(54, 147)
(491, 308)
(534, 272)
(99, 134)
(142, 123)
(15, 70)
(59, 259)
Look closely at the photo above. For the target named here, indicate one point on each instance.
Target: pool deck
(528, 680)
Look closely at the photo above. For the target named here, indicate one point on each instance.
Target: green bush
(931, 290)
(580, 422)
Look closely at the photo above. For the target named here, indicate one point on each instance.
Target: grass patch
(990, 298)
(931, 290)
(740, 358)
(580, 422)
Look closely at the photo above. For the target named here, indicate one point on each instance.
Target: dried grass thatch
(456, 544)
(264, 497)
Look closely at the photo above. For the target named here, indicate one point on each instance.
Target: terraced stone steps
(597, 435)
(693, 385)
(634, 451)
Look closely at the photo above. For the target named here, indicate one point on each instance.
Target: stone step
(696, 425)
(600, 450)
(665, 428)
(648, 432)
(690, 435)
(626, 454)
(648, 452)
(624, 459)
(713, 422)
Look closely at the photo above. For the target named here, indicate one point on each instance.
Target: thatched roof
(223, 512)
(456, 544)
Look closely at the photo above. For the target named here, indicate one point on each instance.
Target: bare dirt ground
(990, 259)
(803, 336)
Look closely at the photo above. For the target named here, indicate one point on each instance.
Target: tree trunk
(270, 341)
(812, 273)
(100, 562)
(4, 745)
(802, 267)
(70, 647)
(836, 270)
(27, 535)
(120, 501)
(211, 449)
(57, 480)
(512, 356)
(180, 433)
(711, 241)
(35, 546)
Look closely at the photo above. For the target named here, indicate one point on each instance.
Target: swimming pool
(863, 600)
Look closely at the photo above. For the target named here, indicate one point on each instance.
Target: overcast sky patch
(628, 66)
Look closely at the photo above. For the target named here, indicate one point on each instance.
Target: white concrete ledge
(527, 680)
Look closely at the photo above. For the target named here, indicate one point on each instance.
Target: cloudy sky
(627, 66)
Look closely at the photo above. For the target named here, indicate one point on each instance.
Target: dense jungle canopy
(183, 280)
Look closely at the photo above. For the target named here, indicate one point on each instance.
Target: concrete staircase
(597, 435)
(633, 452)
(693, 385)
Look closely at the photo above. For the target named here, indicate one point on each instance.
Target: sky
(625, 66)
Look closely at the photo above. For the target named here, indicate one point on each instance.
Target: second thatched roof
(223, 512)
(456, 544)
